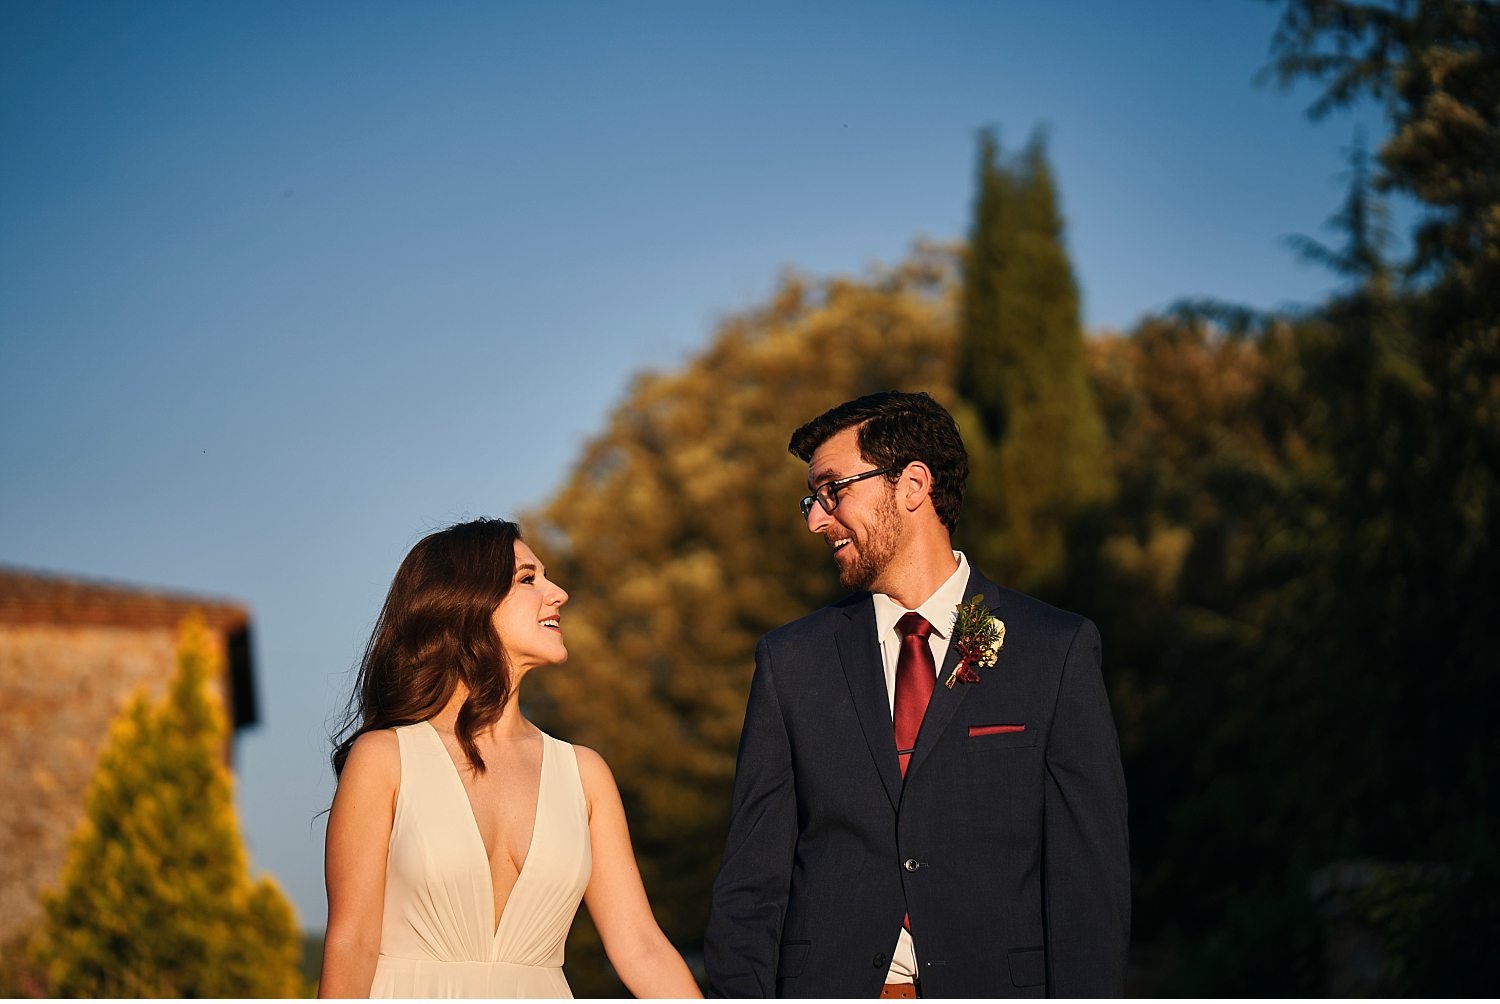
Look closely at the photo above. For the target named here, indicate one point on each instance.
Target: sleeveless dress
(439, 934)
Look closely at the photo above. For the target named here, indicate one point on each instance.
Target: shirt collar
(937, 608)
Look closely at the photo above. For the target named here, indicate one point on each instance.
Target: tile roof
(31, 597)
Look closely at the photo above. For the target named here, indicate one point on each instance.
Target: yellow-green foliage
(156, 897)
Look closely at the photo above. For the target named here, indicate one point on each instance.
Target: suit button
(881, 960)
(912, 864)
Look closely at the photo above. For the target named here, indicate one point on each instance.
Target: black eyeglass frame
(827, 494)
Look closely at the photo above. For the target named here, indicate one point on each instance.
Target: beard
(874, 553)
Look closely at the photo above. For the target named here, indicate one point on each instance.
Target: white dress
(439, 934)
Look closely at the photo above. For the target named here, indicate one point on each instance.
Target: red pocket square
(990, 730)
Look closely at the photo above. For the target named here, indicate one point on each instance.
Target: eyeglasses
(827, 494)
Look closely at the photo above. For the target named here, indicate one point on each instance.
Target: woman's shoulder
(593, 771)
(588, 759)
(375, 754)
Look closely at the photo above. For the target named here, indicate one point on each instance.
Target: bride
(462, 837)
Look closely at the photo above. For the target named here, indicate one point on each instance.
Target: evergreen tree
(1031, 423)
(987, 351)
(1432, 64)
(1351, 716)
(1411, 535)
(1364, 220)
(156, 899)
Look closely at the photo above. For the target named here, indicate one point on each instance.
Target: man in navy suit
(982, 853)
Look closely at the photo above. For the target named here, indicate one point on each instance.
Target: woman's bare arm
(359, 836)
(647, 962)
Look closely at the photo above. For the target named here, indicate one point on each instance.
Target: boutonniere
(979, 637)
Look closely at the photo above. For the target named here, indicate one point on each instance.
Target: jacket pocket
(1028, 967)
(793, 959)
(993, 730)
(999, 737)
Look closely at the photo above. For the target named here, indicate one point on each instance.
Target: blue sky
(287, 285)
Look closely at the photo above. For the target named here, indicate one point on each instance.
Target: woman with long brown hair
(462, 837)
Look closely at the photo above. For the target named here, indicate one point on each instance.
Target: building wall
(60, 687)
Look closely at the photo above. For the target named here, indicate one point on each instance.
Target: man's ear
(915, 486)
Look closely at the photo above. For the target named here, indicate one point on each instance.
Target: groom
(892, 835)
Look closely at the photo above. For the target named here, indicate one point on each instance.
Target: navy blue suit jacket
(1006, 843)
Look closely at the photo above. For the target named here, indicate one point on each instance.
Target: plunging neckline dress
(440, 936)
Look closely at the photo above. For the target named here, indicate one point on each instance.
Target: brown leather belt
(902, 990)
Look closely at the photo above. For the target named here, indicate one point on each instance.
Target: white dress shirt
(939, 609)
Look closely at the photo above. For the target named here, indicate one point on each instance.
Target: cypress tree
(1031, 422)
(986, 351)
(156, 899)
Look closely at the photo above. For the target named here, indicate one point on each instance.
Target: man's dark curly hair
(896, 428)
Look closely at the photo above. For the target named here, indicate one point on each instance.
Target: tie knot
(914, 625)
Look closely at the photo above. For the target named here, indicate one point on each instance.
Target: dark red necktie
(916, 676)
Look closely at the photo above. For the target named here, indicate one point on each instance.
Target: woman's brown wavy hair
(434, 632)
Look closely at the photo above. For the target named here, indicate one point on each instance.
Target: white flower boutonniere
(979, 637)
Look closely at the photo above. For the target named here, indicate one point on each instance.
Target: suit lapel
(945, 702)
(859, 652)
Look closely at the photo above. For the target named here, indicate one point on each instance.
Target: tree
(1178, 571)
(678, 536)
(1364, 219)
(1416, 523)
(156, 898)
(1347, 715)
(1432, 64)
(1031, 424)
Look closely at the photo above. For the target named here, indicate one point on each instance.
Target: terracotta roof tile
(31, 597)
